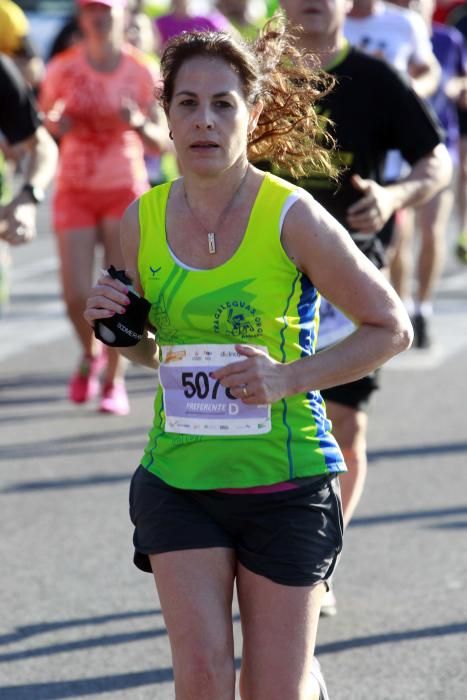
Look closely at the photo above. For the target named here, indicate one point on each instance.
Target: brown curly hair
(289, 134)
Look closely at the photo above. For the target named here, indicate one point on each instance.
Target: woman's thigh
(195, 589)
(279, 625)
(349, 425)
(110, 236)
(434, 215)
(111, 207)
(76, 249)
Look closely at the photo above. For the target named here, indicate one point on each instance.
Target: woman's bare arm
(324, 251)
(110, 296)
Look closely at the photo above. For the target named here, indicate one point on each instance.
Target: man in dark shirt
(373, 111)
(21, 127)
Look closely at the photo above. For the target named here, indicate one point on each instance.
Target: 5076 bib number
(199, 384)
(197, 404)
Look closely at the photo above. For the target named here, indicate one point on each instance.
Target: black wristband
(37, 195)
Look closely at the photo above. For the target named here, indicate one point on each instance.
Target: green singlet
(258, 297)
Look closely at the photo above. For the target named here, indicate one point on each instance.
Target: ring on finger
(245, 391)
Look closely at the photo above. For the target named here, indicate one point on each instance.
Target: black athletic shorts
(463, 121)
(291, 537)
(354, 394)
(374, 249)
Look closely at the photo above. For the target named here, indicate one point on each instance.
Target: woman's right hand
(107, 298)
(57, 121)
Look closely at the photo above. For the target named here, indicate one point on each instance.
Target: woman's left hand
(131, 113)
(373, 209)
(256, 380)
(18, 221)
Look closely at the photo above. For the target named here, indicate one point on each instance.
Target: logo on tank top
(238, 319)
(154, 271)
(161, 320)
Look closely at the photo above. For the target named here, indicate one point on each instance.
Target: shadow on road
(391, 638)
(52, 484)
(88, 686)
(31, 417)
(417, 451)
(27, 631)
(33, 380)
(79, 644)
(37, 399)
(76, 444)
(455, 525)
(24, 389)
(411, 515)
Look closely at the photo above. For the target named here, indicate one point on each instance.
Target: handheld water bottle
(127, 329)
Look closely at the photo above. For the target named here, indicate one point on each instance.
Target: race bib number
(333, 325)
(197, 404)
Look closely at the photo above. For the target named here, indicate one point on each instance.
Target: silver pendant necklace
(212, 243)
(211, 234)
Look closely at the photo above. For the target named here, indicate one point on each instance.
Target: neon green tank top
(257, 297)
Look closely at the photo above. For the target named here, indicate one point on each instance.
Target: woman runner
(98, 98)
(238, 483)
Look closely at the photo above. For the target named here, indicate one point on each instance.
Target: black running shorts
(463, 122)
(291, 537)
(354, 394)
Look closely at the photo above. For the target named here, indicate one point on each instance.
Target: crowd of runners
(261, 185)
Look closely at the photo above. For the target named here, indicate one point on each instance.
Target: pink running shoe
(115, 399)
(84, 384)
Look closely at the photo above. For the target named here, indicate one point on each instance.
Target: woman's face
(99, 21)
(208, 116)
(181, 7)
(319, 18)
(139, 33)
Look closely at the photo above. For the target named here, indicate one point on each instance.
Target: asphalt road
(78, 620)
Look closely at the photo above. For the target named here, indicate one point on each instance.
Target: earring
(171, 136)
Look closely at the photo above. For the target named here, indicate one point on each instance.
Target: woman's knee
(204, 673)
(250, 689)
(75, 303)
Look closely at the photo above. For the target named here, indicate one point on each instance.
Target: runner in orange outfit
(98, 99)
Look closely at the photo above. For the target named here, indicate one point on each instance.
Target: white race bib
(197, 404)
(333, 325)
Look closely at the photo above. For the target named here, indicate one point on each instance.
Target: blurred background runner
(373, 110)
(454, 14)
(99, 102)
(15, 41)
(247, 16)
(182, 19)
(432, 218)
(30, 145)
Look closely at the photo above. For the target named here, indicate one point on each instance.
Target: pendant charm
(212, 243)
